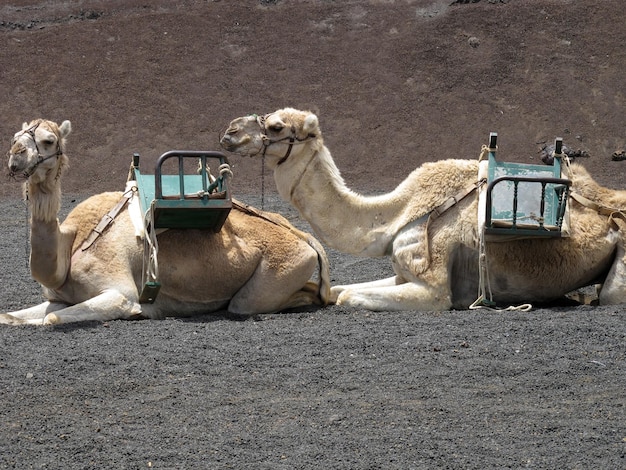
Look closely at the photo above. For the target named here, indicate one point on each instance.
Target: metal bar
(558, 146)
(181, 178)
(204, 176)
(515, 189)
(493, 139)
(542, 204)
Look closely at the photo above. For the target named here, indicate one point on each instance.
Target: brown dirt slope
(395, 82)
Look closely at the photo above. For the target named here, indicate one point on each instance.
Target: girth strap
(106, 220)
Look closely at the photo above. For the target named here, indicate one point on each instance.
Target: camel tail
(323, 286)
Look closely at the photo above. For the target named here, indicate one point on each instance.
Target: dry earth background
(395, 83)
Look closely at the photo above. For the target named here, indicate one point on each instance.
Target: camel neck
(44, 199)
(343, 219)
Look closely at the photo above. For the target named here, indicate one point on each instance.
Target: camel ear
(311, 124)
(24, 125)
(65, 128)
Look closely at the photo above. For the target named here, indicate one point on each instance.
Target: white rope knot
(484, 150)
(225, 170)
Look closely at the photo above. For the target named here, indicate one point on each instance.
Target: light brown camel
(251, 266)
(437, 267)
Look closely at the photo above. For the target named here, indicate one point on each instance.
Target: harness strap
(453, 200)
(591, 204)
(292, 139)
(611, 213)
(106, 220)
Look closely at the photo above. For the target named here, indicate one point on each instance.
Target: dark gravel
(322, 389)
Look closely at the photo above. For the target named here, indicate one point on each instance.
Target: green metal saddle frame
(185, 201)
(525, 200)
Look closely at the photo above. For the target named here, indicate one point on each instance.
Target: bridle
(292, 138)
(31, 132)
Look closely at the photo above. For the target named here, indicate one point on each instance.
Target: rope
(151, 247)
(485, 295)
(263, 181)
(225, 170)
(484, 150)
(27, 233)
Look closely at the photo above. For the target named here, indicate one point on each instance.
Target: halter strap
(31, 132)
(292, 138)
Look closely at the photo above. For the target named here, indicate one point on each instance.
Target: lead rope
(27, 232)
(263, 181)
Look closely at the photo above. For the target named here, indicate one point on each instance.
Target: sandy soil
(328, 388)
(395, 83)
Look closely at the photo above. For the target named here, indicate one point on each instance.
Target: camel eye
(47, 142)
(276, 127)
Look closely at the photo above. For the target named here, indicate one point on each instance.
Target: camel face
(35, 146)
(244, 136)
(273, 135)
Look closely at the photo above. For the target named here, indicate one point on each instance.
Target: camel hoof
(51, 319)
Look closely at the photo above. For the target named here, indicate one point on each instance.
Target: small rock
(473, 41)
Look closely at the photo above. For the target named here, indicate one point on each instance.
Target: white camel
(253, 265)
(435, 258)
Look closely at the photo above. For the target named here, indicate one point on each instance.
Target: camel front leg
(109, 305)
(335, 291)
(382, 296)
(31, 315)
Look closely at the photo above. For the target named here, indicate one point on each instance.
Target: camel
(257, 262)
(432, 234)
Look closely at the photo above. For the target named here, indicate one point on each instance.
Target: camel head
(38, 150)
(278, 136)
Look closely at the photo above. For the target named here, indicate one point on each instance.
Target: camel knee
(8, 319)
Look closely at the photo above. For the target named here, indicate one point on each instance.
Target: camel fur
(435, 260)
(253, 265)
